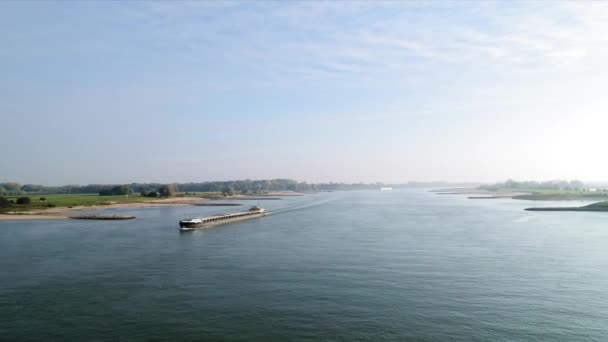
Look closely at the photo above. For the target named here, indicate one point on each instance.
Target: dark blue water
(349, 266)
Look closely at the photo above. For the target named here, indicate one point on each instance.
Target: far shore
(475, 193)
(529, 195)
(600, 206)
(556, 195)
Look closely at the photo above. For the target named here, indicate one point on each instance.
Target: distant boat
(386, 189)
(206, 222)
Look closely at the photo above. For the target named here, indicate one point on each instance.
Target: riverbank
(542, 194)
(474, 193)
(527, 194)
(564, 196)
(65, 212)
(537, 195)
(65, 205)
(601, 206)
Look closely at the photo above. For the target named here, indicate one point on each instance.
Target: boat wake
(300, 207)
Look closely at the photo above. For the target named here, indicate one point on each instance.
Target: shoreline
(481, 194)
(567, 209)
(590, 208)
(63, 212)
(22, 217)
(59, 213)
(477, 194)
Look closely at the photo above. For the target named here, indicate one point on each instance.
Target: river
(345, 266)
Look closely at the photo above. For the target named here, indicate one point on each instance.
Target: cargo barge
(207, 222)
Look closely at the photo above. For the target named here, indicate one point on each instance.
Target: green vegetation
(246, 186)
(547, 191)
(106, 195)
(11, 188)
(65, 200)
(550, 195)
(152, 194)
(99, 194)
(229, 191)
(167, 190)
(116, 191)
(600, 206)
(23, 200)
(533, 185)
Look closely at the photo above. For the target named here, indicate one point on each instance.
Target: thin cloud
(335, 41)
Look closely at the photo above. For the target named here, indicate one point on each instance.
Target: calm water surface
(349, 266)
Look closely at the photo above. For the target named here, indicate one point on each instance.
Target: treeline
(227, 187)
(116, 190)
(14, 188)
(253, 186)
(549, 185)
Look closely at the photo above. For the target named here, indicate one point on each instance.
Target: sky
(120, 92)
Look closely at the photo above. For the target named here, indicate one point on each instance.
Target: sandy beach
(19, 217)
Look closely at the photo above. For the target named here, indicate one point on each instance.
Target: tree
(228, 191)
(167, 190)
(576, 184)
(11, 188)
(266, 185)
(4, 202)
(122, 189)
(105, 192)
(32, 188)
(24, 200)
(118, 190)
(42, 199)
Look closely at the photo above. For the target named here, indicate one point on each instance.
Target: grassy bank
(601, 206)
(70, 200)
(42, 202)
(555, 194)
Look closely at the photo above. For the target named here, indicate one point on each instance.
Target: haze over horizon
(111, 92)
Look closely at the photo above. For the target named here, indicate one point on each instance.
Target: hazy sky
(113, 92)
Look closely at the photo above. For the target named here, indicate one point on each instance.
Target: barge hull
(186, 226)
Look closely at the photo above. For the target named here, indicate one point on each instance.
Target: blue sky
(113, 92)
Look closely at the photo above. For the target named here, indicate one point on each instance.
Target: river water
(343, 266)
